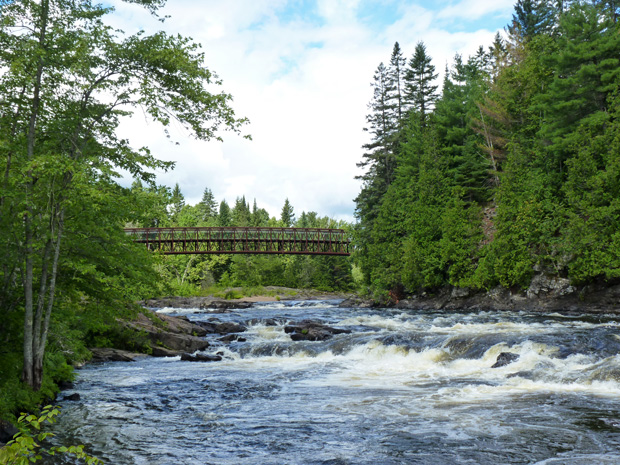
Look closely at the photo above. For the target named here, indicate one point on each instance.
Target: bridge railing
(243, 240)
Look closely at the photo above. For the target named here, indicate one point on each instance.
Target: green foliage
(514, 172)
(26, 446)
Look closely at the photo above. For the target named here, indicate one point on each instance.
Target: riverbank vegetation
(509, 169)
(68, 272)
(66, 268)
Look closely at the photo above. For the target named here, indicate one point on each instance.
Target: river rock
(505, 358)
(226, 304)
(107, 354)
(72, 397)
(200, 358)
(158, 351)
(232, 338)
(219, 327)
(308, 330)
(170, 332)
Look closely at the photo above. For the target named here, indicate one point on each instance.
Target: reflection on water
(404, 387)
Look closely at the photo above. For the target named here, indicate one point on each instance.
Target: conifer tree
(241, 215)
(207, 207)
(420, 90)
(177, 202)
(396, 74)
(288, 216)
(225, 216)
(531, 18)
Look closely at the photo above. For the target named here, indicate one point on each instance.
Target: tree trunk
(28, 278)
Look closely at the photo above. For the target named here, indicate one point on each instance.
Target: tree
(177, 203)
(420, 92)
(207, 207)
(586, 70)
(241, 215)
(67, 80)
(225, 216)
(288, 216)
(396, 74)
(531, 18)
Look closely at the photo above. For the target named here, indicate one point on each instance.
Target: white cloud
(304, 83)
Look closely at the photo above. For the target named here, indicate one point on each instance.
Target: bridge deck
(306, 241)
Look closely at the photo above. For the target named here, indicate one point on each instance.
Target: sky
(300, 71)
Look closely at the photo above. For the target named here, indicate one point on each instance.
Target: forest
(509, 170)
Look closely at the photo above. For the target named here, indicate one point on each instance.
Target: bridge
(238, 240)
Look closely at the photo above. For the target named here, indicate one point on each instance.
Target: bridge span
(239, 240)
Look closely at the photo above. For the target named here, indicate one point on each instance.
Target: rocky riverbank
(548, 294)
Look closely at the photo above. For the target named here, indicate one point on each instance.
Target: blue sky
(300, 71)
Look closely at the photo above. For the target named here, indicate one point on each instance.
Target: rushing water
(404, 387)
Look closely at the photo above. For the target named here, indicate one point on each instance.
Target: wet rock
(232, 338)
(226, 304)
(179, 342)
(505, 358)
(218, 327)
(200, 358)
(308, 330)
(357, 302)
(107, 354)
(163, 352)
(72, 397)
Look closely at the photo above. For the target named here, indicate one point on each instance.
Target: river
(403, 387)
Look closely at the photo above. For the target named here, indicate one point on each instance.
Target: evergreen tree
(460, 145)
(420, 92)
(241, 215)
(288, 216)
(586, 70)
(396, 74)
(177, 203)
(531, 18)
(225, 215)
(207, 207)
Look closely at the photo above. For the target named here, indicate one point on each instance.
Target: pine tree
(241, 215)
(225, 216)
(420, 92)
(177, 202)
(531, 18)
(207, 207)
(288, 216)
(396, 75)
(586, 70)
(460, 145)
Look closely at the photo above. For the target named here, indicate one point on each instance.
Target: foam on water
(402, 387)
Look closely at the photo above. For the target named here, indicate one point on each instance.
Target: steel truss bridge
(300, 241)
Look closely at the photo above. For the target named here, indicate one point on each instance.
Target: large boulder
(169, 332)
